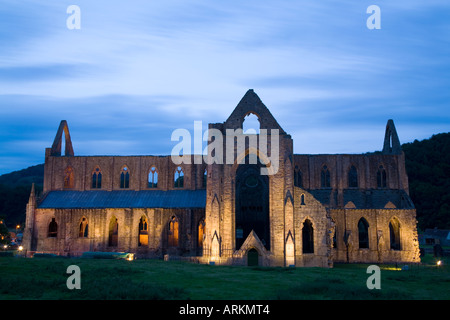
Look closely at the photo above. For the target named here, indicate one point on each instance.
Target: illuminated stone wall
(310, 223)
(68, 240)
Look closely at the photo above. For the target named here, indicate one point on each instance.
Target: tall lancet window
(205, 178)
(381, 177)
(308, 237)
(363, 233)
(173, 232)
(83, 230)
(113, 238)
(325, 180)
(353, 177)
(298, 178)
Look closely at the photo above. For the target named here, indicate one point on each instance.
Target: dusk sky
(137, 70)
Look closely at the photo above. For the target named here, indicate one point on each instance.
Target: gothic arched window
(298, 177)
(97, 178)
(125, 178)
(178, 181)
(52, 229)
(363, 233)
(83, 230)
(205, 178)
(394, 234)
(143, 232)
(68, 178)
(201, 232)
(325, 181)
(251, 124)
(381, 177)
(153, 177)
(113, 239)
(173, 232)
(353, 177)
(308, 237)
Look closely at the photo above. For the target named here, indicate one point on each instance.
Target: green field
(107, 279)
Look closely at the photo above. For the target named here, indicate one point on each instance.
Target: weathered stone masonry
(314, 211)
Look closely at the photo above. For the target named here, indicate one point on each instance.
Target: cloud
(138, 70)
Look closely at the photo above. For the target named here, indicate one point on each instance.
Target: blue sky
(137, 70)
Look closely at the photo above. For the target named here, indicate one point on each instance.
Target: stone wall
(379, 249)
(68, 240)
(111, 168)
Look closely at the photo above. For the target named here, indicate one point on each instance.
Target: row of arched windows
(113, 231)
(173, 233)
(178, 181)
(363, 234)
(325, 178)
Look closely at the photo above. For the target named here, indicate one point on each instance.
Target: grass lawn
(106, 279)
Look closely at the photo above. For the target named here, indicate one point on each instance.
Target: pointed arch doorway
(252, 257)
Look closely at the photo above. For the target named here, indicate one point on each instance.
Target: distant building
(436, 236)
(313, 211)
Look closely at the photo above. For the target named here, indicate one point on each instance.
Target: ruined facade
(306, 210)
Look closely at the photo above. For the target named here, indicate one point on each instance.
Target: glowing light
(439, 263)
(20, 248)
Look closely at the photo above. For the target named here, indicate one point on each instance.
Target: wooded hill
(427, 164)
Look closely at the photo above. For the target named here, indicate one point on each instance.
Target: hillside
(428, 167)
(24, 177)
(15, 190)
(427, 164)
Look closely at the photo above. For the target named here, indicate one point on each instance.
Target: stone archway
(252, 204)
